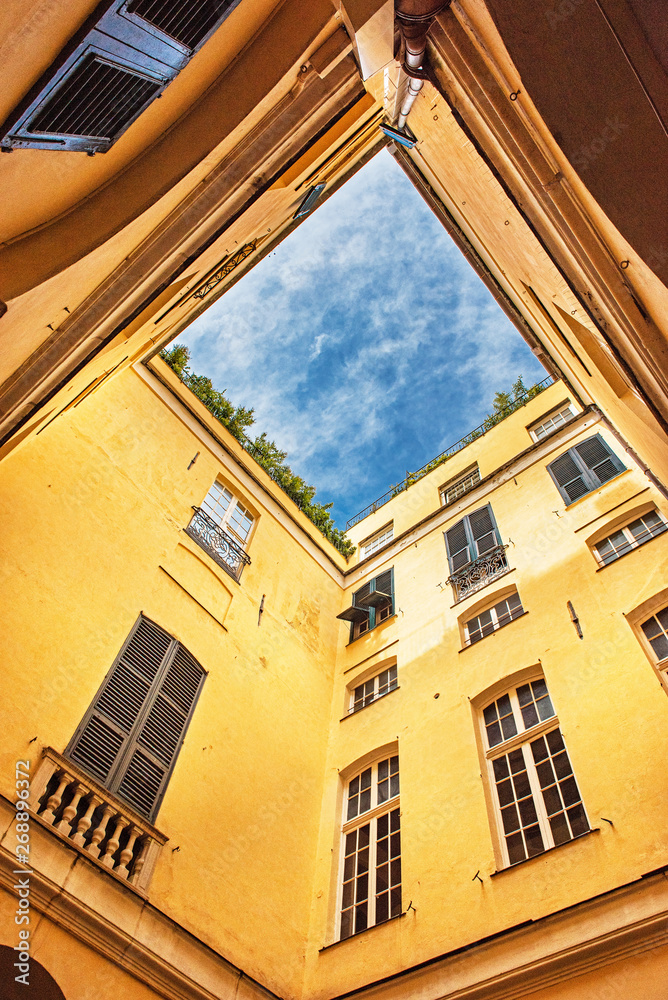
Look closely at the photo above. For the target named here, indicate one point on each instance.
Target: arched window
(537, 802)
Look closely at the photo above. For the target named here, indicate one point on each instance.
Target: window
(132, 733)
(493, 618)
(551, 422)
(376, 541)
(538, 803)
(373, 689)
(221, 527)
(372, 604)
(475, 553)
(629, 537)
(656, 633)
(110, 72)
(584, 468)
(371, 849)
(458, 487)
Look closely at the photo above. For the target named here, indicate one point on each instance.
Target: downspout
(415, 18)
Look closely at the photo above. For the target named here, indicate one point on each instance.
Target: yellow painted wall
(95, 505)
(611, 707)
(92, 508)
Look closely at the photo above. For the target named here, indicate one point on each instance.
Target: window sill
(548, 850)
(350, 715)
(374, 629)
(631, 551)
(505, 625)
(354, 937)
(494, 580)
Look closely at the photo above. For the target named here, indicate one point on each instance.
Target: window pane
(515, 845)
(534, 841)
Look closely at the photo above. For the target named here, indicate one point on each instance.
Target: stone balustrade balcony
(478, 573)
(91, 819)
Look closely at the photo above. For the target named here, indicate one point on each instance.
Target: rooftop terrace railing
(491, 421)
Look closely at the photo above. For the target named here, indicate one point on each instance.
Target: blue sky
(365, 342)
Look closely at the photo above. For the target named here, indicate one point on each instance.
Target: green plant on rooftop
(505, 403)
(266, 453)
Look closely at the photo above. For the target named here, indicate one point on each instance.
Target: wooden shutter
(383, 583)
(483, 530)
(457, 545)
(598, 458)
(569, 478)
(122, 58)
(131, 735)
(583, 468)
(362, 592)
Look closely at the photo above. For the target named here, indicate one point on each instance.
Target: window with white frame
(551, 422)
(229, 513)
(370, 883)
(221, 527)
(537, 801)
(629, 537)
(655, 630)
(584, 468)
(377, 541)
(493, 618)
(373, 689)
(458, 487)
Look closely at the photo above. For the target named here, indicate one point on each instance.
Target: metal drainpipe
(654, 480)
(415, 18)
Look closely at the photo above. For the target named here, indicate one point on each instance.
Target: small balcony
(220, 545)
(89, 818)
(477, 574)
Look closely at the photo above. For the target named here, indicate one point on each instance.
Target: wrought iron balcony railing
(91, 819)
(222, 548)
(477, 574)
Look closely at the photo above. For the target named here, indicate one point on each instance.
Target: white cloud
(365, 342)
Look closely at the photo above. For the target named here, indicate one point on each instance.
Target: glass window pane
(500, 766)
(552, 800)
(361, 918)
(382, 908)
(569, 791)
(560, 830)
(494, 734)
(510, 818)
(554, 741)
(505, 791)
(528, 812)
(534, 840)
(515, 845)
(530, 715)
(578, 820)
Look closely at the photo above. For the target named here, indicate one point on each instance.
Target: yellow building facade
(436, 768)
(256, 769)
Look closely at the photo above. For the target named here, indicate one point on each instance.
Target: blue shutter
(457, 545)
(584, 468)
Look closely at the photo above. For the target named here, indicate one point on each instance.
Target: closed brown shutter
(133, 731)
